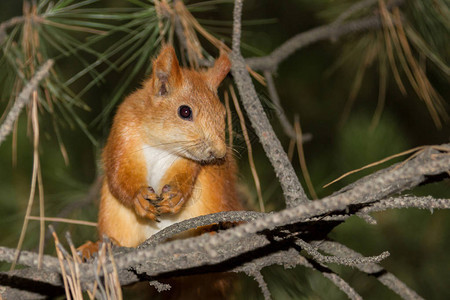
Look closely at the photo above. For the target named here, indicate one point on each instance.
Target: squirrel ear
(217, 73)
(166, 71)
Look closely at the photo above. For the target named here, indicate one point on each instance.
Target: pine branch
(353, 9)
(268, 239)
(23, 98)
(321, 33)
(341, 260)
(375, 270)
(262, 284)
(9, 23)
(292, 190)
(30, 283)
(261, 236)
(427, 202)
(225, 216)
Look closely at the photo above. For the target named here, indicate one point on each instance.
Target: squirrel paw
(87, 250)
(145, 203)
(171, 200)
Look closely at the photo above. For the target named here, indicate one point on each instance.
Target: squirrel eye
(185, 112)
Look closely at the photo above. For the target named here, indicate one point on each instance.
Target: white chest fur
(158, 162)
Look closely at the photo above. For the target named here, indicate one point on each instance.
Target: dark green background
(417, 240)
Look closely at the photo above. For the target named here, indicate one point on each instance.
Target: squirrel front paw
(148, 204)
(145, 203)
(171, 200)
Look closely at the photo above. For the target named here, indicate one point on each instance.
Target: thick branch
(292, 190)
(225, 216)
(371, 188)
(30, 284)
(245, 238)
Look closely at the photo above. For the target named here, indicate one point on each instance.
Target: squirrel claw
(143, 203)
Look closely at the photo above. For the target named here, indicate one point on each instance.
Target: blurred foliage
(103, 50)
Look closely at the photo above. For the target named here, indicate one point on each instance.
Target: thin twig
(262, 284)
(376, 163)
(23, 98)
(353, 9)
(325, 32)
(9, 23)
(287, 126)
(378, 272)
(34, 181)
(229, 120)
(249, 149)
(342, 285)
(342, 260)
(301, 158)
(63, 220)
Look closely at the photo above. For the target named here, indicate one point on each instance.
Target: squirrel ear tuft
(217, 73)
(166, 71)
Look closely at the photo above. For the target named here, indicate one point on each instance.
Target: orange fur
(185, 162)
(202, 173)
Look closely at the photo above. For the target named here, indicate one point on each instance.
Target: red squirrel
(166, 158)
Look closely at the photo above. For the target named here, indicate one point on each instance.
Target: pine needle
(291, 149)
(64, 220)
(229, 119)
(382, 85)
(301, 157)
(61, 263)
(389, 48)
(33, 185)
(376, 163)
(190, 25)
(368, 59)
(249, 148)
(424, 89)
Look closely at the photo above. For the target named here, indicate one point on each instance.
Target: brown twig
(249, 149)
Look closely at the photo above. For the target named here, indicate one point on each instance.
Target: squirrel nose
(218, 151)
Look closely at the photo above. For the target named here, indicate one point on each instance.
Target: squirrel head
(186, 116)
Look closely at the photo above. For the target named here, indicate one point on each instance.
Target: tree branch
(375, 270)
(354, 8)
(427, 202)
(301, 40)
(292, 190)
(261, 241)
(342, 260)
(23, 99)
(9, 23)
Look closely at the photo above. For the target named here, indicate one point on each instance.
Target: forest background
(316, 83)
